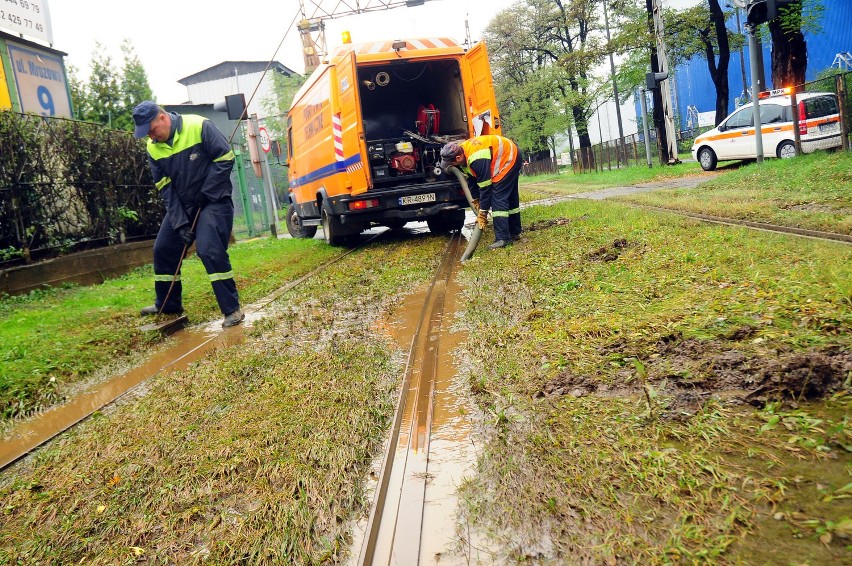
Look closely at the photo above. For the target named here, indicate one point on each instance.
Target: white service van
(819, 128)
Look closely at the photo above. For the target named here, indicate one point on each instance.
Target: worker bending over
(191, 162)
(494, 164)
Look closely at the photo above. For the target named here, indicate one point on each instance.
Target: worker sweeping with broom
(191, 163)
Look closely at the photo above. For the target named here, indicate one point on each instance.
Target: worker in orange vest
(494, 163)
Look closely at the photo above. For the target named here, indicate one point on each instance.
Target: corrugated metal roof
(226, 69)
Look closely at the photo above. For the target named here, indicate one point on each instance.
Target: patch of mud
(550, 223)
(689, 372)
(610, 253)
(819, 207)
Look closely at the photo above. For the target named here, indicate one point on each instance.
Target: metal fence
(613, 155)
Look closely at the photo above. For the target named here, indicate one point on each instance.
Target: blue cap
(143, 115)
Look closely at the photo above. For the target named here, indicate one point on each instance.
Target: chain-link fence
(68, 185)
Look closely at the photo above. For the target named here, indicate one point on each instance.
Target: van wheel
(295, 227)
(333, 230)
(446, 222)
(707, 159)
(786, 149)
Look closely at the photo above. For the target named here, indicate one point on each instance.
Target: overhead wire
(263, 75)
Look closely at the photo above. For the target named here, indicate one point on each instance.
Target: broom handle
(180, 263)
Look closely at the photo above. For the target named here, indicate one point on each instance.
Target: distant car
(819, 128)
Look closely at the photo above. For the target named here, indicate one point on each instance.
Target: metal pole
(753, 48)
(269, 191)
(645, 128)
(615, 96)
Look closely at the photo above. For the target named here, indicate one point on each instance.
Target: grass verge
(543, 186)
(55, 338)
(812, 192)
(659, 390)
(254, 455)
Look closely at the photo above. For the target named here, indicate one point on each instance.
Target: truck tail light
(363, 204)
(803, 119)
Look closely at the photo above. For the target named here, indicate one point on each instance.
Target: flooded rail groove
(412, 518)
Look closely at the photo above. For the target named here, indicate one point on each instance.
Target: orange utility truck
(365, 134)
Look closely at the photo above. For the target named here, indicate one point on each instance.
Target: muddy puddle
(181, 350)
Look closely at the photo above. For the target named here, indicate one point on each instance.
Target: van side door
(350, 149)
(738, 138)
(483, 117)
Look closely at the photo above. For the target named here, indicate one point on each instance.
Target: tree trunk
(719, 71)
(789, 49)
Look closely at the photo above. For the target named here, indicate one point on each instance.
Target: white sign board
(29, 18)
(40, 80)
(707, 118)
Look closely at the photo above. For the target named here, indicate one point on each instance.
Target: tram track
(394, 533)
(193, 343)
(605, 194)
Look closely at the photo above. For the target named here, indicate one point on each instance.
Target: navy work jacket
(196, 159)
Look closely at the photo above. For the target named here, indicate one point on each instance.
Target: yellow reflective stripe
(483, 184)
(166, 278)
(190, 136)
(221, 276)
(227, 157)
(500, 213)
(481, 154)
(514, 211)
(163, 182)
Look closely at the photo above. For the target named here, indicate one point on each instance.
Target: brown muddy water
(183, 348)
(435, 447)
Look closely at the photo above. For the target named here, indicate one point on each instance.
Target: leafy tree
(546, 56)
(110, 95)
(275, 105)
(701, 31)
(789, 48)
(134, 87)
(79, 97)
(103, 88)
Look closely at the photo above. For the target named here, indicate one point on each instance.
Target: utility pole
(665, 92)
(615, 92)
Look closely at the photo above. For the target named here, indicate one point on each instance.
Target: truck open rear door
(346, 121)
(480, 96)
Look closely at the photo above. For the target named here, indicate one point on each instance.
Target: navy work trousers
(211, 245)
(505, 204)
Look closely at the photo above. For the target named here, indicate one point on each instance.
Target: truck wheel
(333, 229)
(295, 227)
(446, 222)
(707, 158)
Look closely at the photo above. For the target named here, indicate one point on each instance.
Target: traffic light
(653, 80)
(234, 105)
(761, 11)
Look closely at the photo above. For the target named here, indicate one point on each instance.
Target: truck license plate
(830, 127)
(417, 199)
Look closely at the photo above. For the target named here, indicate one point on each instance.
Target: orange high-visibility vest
(501, 151)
